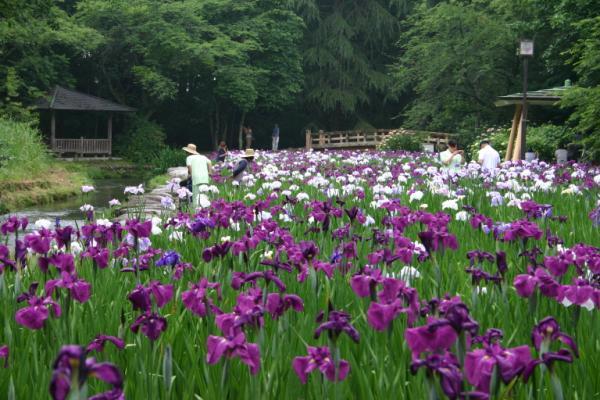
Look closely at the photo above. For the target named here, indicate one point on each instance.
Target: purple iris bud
(4, 353)
(99, 341)
(151, 324)
(501, 262)
(233, 346)
(72, 363)
(338, 323)
(320, 358)
(595, 216)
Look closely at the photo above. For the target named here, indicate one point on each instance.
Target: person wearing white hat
(240, 169)
(199, 169)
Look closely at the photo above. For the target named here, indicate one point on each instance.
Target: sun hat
(190, 148)
(249, 153)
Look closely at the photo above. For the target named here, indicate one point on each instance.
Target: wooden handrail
(365, 138)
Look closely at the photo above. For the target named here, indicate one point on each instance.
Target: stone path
(152, 200)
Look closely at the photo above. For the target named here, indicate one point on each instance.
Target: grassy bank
(30, 175)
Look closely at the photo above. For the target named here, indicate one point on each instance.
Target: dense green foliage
(401, 141)
(202, 69)
(22, 152)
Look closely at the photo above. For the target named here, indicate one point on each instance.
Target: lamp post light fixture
(525, 50)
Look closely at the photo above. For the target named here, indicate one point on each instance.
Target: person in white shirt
(488, 157)
(452, 158)
(199, 170)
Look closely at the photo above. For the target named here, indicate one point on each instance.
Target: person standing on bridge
(249, 137)
(199, 169)
(275, 137)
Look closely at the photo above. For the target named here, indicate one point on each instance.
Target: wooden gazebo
(61, 99)
(544, 97)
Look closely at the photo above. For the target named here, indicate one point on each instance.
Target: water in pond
(68, 210)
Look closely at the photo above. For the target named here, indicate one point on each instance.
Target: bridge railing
(367, 139)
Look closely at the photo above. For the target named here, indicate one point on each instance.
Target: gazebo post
(513, 133)
(109, 134)
(53, 131)
(518, 149)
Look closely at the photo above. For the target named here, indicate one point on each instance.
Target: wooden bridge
(369, 139)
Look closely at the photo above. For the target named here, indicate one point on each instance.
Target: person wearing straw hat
(199, 169)
(240, 169)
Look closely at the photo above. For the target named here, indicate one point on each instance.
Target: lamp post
(525, 51)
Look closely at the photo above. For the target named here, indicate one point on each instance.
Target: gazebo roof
(543, 97)
(66, 99)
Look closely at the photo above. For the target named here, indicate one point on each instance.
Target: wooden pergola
(544, 97)
(62, 99)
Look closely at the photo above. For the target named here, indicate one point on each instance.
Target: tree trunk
(241, 129)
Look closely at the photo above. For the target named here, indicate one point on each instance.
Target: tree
(37, 41)
(346, 51)
(455, 60)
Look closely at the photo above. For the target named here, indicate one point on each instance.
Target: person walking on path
(488, 156)
(199, 169)
(452, 158)
(275, 137)
(240, 169)
(249, 137)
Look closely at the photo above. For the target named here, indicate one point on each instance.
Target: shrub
(167, 158)
(22, 151)
(402, 140)
(143, 141)
(542, 140)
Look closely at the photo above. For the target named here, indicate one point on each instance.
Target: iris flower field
(338, 275)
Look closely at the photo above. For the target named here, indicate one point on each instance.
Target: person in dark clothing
(222, 152)
(240, 169)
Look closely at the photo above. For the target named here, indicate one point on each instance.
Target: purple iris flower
(436, 336)
(548, 359)
(337, 323)
(548, 331)
(580, 293)
(233, 346)
(140, 296)
(218, 250)
(480, 220)
(478, 257)
(277, 304)
(139, 229)
(457, 314)
(480, 364)
(151, 324)
(523, 230)
(39, 241)
(72, 363)
(98, 255)
(364, 283)
(63, 236)
(200, 226)
(534, 210)
(395, 298)
(36, 313)
(197, 300)
(320, 358)
(13, 224)
(559, 265)
(438, 239)
(170, 258)
(79, 289)
(99, 341)
(386, 256)
(445, 366)
(5, 261)
(240, 278)
(64, 262)
(478, 275)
